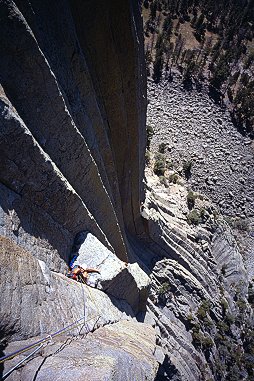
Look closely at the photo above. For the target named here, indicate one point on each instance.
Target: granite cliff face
(73, 107)
(170, 302)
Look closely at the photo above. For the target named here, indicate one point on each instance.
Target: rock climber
(78, 272)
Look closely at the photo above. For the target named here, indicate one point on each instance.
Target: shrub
(147, 157)
(201, 340)
(223, 269)
(164, 181)
(201, 197)
(204, 215)
(169, 165)
(187, 165)
(191, 197)
(241, 304)
(224, 305)
(162, 147)
(207, 342)
(159, 165)
(164, 293)
(208, 322)
(164, 288)
(218, 338)
(197, 339)
(193, 217)
(158, 65)
(222, 326)
(203, 309)
(149, 135)
(229, 319)
(173, 178)
(190, 317)
(251, 294)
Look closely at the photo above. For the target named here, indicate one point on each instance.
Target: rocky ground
(197, 130)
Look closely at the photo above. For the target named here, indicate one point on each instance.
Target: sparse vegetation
(160, 165)
(149, 135)
(194, 217)
(164, 181)
(191, 197)
(173, 178)
(148, 157)
(162, 147)
(220, 55)
(241, 303)
(203, 309)
(187, 165)
(164, 288)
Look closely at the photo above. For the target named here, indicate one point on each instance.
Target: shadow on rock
(167, 371)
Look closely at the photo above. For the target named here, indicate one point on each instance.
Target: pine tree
(167, 26)
(200, 28)
(146, 4)
(148, 59)
(220, 73)
(179, 44)
(153, 9)
(249, 60)
(158, 66)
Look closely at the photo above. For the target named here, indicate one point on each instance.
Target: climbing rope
(42, 342)
(21, 362)
(47, 338)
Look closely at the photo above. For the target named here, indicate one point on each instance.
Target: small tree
(148, 59)
(146, 4)
(249, 60)
(191, 197)
(200, 28)
(158, 65)
(187, 165)
(221, 73)
(167, 26)
(149, 135)
(160, 165)
(193, 217)
(153, 9)
(162, 147)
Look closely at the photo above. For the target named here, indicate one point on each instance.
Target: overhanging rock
(116, 278)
